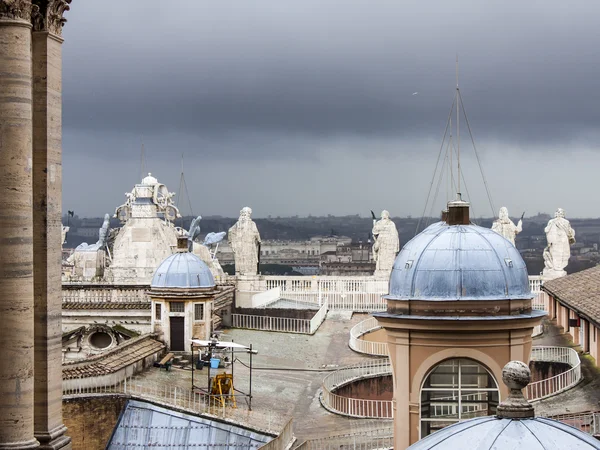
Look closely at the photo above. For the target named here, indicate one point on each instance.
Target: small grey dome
(459, 262)
(182, 270)
(495, 433)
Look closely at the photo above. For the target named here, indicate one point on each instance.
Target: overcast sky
(307, 107)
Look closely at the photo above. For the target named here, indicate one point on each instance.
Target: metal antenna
(142, 162)
(457, 125)
(183, 189)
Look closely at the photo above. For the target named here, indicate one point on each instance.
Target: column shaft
(16, 249)
(47, 211)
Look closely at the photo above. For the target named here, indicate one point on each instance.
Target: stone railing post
(47, 19)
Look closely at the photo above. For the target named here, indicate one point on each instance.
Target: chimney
(444, 215)
(458, 212)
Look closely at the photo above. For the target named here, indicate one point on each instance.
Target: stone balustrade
(104, 293)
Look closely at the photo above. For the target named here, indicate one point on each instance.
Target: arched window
(455, 390)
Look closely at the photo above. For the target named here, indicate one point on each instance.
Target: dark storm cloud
(253, 84)
(320, 68)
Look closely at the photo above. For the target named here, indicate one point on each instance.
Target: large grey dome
(494, 433)
(459, 262)
(182, 270)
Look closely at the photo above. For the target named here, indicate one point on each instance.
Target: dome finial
(516, 376)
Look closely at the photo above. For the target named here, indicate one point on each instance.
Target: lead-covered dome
(459, 262)
(182, 270)
(493, 432)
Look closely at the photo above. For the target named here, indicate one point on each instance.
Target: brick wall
(91, 420)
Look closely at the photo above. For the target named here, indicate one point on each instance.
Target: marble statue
(506, 227)
(64, 231)
(244, 241)
(194, 232)
(560, 236)
(102, 238)
(202, 250)
(88, 260)
(386, 245)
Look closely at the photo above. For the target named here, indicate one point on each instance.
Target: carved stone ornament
(516, 376)
(47, 15)
(15, 9)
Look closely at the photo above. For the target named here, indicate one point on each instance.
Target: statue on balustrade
(560, 236)
(245, 243)
(88, 260)
(506, 227)
(63, 234)
(386, 245)
(205, 250)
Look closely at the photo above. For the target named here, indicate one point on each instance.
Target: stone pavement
(287, 376)
(583, 397)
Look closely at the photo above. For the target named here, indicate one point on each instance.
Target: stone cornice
(15, 9)
(47, 15)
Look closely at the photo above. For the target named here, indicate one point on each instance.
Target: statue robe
(244, 239)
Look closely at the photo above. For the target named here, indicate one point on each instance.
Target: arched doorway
(454, 390)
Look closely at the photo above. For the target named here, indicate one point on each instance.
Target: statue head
(559, 213)
(246, 212)
(385, 214)
(503, 214)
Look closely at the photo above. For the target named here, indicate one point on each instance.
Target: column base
(22, 445)
(54, 439)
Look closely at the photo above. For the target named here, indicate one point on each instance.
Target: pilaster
(47, 192)
(16, 232)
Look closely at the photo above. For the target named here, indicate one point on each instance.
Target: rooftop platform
(288, 373)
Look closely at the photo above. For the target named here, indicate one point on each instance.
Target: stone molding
(16, 10)
(47, 15)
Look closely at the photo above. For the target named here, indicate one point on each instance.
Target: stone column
(47, 210)
(16, 233)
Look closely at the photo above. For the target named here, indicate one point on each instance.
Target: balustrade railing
(379, 438)
(319, 317)
(283, 324)
(558, 383)
(362, 346)
(268, 323)
(284, 440)
(359, 294)
(588, 422)
(184, 399)
(104, 294)
(356, 407)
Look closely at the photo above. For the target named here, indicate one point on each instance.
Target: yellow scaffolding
(222, 389)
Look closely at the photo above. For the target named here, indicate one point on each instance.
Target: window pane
(177, 306)
(199, 311)
(158, 311)
(457, 389)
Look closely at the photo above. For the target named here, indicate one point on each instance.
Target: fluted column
(47, 210)
(16, 248)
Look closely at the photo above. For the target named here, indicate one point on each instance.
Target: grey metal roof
(182, 270)
(459, 262)
(485, 433)
(144, 425)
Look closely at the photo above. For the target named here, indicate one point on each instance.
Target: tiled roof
(581, 291)
(110, 362)
(106, 305)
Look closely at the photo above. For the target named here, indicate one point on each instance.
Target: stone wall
(542, 370)
(222, 306)
(91, 420)
(278, 312)
(374, 388)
